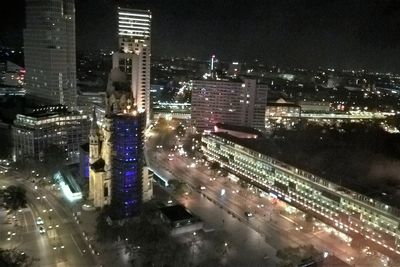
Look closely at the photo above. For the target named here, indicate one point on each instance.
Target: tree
(104, 230)
(14, 197)
(179, 187)
(215, 165)
(149, 239)
(15, 258)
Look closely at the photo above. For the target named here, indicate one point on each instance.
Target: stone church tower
(118, 174)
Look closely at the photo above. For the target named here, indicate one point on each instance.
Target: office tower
(240, 103)
(118, 175)
(133, 56)
(49, 43)
(34, 132)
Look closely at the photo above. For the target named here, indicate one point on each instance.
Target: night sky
(302, 33)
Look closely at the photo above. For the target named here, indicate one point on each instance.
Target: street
(269, 221)
(62, 244)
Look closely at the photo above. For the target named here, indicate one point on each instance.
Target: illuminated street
(278, 228)
(62, 244)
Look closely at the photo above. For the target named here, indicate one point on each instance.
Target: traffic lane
(242, 236)
(278, 235)
(69, 231)
(297, 237)
(235, 199)
(61, 217)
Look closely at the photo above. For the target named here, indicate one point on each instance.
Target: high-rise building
(118, 175)
(49, 43)
(134, 52)
(240, 103)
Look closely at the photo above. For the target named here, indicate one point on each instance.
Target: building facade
(118, 175)
(285, 115)
(35, 132)
(49, 50)
(355, 214)
(240, 103)
(133, 56)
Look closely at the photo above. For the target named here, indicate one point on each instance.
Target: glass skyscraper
(49, 43)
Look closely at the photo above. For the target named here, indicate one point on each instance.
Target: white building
(49, 44)
(133, 57)
(240, 103)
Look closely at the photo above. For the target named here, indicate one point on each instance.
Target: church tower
(94, 140)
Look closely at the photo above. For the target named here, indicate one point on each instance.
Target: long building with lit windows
(355, 214)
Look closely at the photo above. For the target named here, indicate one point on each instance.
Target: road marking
(58, 214)
(290, 220)
(73, 240)
(26, 222)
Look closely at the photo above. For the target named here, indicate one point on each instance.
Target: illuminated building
(286, 115)
(240, 103)
(34, 132)
(315, 106)
(118, 175)
(13, 75)
(353, 213)
(127, 163)
(49, 50)
(133, 56)
(234, 69)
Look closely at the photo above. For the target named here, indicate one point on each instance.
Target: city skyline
(351, 34)
(254, 138)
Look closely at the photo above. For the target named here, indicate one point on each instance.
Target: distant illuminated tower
(133, 56)
(212, 73)
(49, 44)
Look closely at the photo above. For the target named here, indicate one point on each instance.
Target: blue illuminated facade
(127, 164)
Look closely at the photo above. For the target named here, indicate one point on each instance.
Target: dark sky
(303, 33)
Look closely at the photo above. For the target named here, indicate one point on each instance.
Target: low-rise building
(34, 132)
(180, 220)
(353, 213)
(283, 114)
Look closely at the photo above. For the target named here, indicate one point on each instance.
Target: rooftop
(274, 104)
(176, 213)
(243, 129)
(362, 158)
(98, 165)
(47, 111)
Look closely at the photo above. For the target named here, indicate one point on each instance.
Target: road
(277, 229)
(62, 244)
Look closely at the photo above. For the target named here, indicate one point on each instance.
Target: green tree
(14, 197)
(179, 187)
(15, 258)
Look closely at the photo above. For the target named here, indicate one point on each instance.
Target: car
(248, 214)
(39, 221)
(202, 187)
(42, 230)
